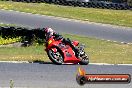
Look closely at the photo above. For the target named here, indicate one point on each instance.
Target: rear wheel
(55, 57)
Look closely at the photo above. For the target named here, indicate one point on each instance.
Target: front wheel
(84, 59)
(55, 57)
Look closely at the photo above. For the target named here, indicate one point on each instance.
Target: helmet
(49, 31)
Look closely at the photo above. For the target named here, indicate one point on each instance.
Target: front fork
(81, 50)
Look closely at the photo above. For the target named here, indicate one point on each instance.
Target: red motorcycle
(60, 53)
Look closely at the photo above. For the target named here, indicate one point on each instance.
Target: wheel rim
(84, 57)
(56, 56)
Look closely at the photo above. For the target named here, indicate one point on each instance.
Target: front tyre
(55, 57)
(84, 59)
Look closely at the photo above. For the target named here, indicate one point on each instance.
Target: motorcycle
(61, 53)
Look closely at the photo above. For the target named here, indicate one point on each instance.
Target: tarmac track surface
(100, 31)
(48, 75)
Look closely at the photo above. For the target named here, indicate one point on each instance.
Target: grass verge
(116, 17)
(100, 51)
(1, 24)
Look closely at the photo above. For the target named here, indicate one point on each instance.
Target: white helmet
(49, 30)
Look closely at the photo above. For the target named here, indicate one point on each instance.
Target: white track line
(14, 62)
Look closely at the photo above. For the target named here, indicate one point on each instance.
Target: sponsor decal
(50, 41)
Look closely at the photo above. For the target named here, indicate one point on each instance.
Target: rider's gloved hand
(57, 36)
(67, 41)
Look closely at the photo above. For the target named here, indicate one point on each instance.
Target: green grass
(99, 51)
(31, 53)
(116, 17)
(1, 24)
(11, 25)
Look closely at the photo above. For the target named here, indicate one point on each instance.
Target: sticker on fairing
(50, 41)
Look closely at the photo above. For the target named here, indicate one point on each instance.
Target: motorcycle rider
(49, 32)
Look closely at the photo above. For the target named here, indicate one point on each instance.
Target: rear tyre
(55, 57)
